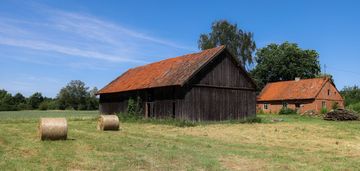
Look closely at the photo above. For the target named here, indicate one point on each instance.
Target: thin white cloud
(45, 46)
(81, 35)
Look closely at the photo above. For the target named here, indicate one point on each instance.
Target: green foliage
(284, 62)
(35, 100)
(323, 110)
(354, 107)
(134, 110)
(239, 42)
(24, 106)
(44, 105)
(334, 105)
(351, 95)
(75, 95)
(52, 104)
(248, 120)
(286, 111)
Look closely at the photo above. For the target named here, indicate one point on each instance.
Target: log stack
(340, 115)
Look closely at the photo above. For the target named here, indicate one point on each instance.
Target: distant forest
(74, 96)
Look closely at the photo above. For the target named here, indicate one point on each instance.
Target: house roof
(292, 90)
(168, 72)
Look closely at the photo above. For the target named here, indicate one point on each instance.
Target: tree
(35, 100)
(19, 98)
(73, 95)
(92, 101)
(239, 42)
(6, 101)
(284, 62)
(351, 94)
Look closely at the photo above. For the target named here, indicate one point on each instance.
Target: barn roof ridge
(292, 89)
(167, 72)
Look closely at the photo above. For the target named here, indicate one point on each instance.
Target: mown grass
(294, 143)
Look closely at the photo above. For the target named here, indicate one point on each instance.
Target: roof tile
(168, 72)
(292, 90)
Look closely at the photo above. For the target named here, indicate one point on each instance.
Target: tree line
(74, 96)
(274, 62)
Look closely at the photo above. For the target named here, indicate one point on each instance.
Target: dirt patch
(240, 163)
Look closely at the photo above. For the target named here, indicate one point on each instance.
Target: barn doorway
(173, 109)
(150, 110)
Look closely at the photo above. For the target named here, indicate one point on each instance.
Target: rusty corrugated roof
(168, 72)
(292, 90)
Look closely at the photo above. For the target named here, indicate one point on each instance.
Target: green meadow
(294, 143)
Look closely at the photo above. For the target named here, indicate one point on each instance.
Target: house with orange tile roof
(208, 85)
(300, 94)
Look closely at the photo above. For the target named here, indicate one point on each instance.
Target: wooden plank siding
(219, 91)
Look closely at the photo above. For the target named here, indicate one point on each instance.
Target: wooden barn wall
(207, 103)
(223, 71)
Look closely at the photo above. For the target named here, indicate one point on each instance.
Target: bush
(24, 106)
(355, 107)
(43, 105)
(334, 105)
(324, 111)
(134, 110)
(7, 107)
(286, 111)
(52, 105)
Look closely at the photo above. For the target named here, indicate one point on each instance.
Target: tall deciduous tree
(35, 100)
(284, 62)
(73, 95)
(239, 42)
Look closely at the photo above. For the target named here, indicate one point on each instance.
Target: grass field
(296, 143)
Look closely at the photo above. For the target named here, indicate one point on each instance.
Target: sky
(46, 44)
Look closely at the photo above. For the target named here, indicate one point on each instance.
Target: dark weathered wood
(220, 91)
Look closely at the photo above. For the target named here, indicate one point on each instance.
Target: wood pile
(340, 115)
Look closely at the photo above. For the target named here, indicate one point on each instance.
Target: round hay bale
(53, 128)
(108, 122)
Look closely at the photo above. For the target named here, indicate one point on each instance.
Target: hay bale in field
(108, 122)
(53, 128)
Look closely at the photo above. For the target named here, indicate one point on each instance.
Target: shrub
(286, 111)
(43, 105)
(355, 107)
(24, 106)
(248, 120)
(134, 109)
(334, 105)
(52, 105)
(7, 107)
(324, 111)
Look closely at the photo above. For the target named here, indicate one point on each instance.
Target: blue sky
(45, 44)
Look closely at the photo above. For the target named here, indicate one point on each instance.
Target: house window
(284, 105)
(328, 92)
(266, 106)
(323, 104)
(297, 105)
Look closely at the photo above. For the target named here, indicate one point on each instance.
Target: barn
(208, 85)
